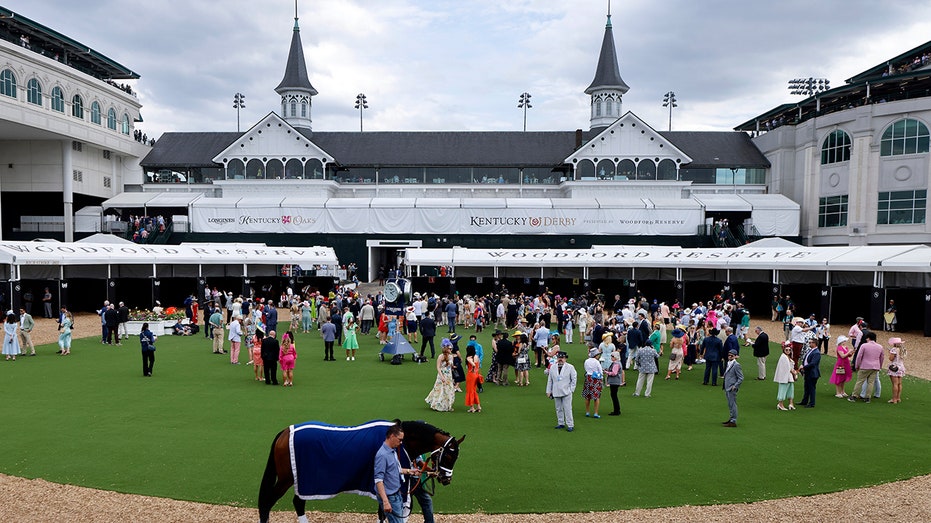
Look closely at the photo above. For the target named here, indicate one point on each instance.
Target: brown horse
(419, 438)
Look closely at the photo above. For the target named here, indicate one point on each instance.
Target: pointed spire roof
(608, 74)
(295, 73)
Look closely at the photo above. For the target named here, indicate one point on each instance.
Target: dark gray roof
(188, 149)
(456, 148)
(448, 148)
(295, 73)
(717, 149)
(608, 74)
(50, 42)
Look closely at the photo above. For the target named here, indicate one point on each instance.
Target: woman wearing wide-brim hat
(896, 368)
(676, 352)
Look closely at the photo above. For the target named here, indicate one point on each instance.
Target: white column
(67, 189)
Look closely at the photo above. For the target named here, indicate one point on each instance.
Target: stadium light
(669, 100)
(361, 103)
(809, 86)
(239, 102)
(524, 103)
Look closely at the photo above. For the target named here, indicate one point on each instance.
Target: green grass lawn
(200, 429)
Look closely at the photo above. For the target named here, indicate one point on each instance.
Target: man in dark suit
(428, 332)
(270, 349)
(112, 318)
(271, 317)
(760, 352)
(711, 350)
(811, 367)
(644, 325)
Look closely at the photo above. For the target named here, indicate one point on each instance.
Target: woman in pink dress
(286, 357)
(256, 352)
(842, 371)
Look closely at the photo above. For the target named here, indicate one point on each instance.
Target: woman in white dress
(443, 395)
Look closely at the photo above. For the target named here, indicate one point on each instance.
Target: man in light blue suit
(733, 377)
(560, 386)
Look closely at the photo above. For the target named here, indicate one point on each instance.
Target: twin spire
(606, 88)
(295, 88)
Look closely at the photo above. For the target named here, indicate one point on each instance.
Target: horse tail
(267, 487)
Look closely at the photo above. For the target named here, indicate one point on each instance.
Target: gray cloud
(461, 65)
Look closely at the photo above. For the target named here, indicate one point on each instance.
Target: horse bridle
(438, 459)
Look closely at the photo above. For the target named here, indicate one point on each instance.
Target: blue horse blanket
(327, 460)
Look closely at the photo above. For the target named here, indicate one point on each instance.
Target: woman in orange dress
(473, 377)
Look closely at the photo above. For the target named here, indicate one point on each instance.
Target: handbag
(893, 368)
(840, 371)
(672, 356)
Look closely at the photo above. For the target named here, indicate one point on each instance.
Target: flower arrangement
(143, 315)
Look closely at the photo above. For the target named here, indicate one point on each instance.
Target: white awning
(723, 202)
(35, 253)
(128, 200)
(348, 203)
(774, 214)
(392, 203)
(915, 260)
(529, 203)
(216, 203)
(437, 203)
(171, 199)
(904, 258)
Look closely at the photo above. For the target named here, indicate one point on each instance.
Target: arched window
(274, 169)
(34, 92)
(609, 107)
(77, 106)
(8, 83)
(293, 108)
(585, 170)
(667, 170)
(598, 108)
(303, 109)
(95, 113)
(314, 169)
(627, 170)
(836, 148)
(294, 169)
(646, 170)
(111, 119)
(907, 136)
(58, 100)
(284, 107)
(235, 170)
(124, 124)
(255, 170)
(605, 170)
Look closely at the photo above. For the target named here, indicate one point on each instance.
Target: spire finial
(296, 28)
(609, 13)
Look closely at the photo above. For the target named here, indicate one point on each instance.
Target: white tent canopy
(36, 253)
(901, 258)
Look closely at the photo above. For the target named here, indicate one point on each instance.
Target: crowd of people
(531, 331)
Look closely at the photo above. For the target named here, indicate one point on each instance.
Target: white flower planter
(157, 327)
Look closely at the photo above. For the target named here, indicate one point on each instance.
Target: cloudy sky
(462, 64)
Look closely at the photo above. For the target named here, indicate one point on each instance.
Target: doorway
(385, 255)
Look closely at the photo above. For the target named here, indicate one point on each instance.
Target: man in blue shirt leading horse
(388, 473)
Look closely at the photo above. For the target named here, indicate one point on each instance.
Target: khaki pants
(25, 340)
(217, 339)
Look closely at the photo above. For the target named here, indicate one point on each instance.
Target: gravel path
(39, 501)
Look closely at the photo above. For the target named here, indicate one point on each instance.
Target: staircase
(372, 288)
